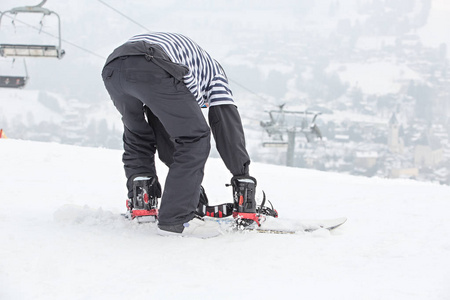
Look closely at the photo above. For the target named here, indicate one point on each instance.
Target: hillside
(357, 62)
(62, 237)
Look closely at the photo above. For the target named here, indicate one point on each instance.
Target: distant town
(400, 130)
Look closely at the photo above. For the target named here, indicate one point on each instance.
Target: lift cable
(123, 15)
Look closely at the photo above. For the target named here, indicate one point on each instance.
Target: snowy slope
(395, 244)
(17, 105)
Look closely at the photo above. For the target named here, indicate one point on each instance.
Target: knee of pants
(201, 145)
(203, 140)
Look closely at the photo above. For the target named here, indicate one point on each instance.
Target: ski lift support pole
(291, 147)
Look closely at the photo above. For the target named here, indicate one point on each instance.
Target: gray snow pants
(132, 81)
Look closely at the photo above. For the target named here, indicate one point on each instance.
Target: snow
(375, 77)
(14, 102)
(374, 43)
(62, 237)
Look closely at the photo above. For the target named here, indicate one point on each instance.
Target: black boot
(202, 203)
(144, 205)
(244, 189)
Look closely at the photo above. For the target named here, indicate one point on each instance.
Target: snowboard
(282, 226)
(268, 224)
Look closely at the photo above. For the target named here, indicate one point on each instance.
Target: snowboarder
(159, 82)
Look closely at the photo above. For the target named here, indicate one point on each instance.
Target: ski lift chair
(14, 81)
(26, 50)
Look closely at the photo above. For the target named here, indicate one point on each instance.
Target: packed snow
(63, 237)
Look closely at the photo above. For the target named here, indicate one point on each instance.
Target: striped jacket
(206, 79)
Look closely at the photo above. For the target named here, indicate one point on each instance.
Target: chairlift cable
(123, 15)
(247, 89)
(84, 49)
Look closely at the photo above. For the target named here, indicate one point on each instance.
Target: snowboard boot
(202, 203)
(244, 188)
(214, 211)
(144, 205)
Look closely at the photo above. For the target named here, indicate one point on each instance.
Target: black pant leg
(178, 111)
(164, 145)
(139, 140)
